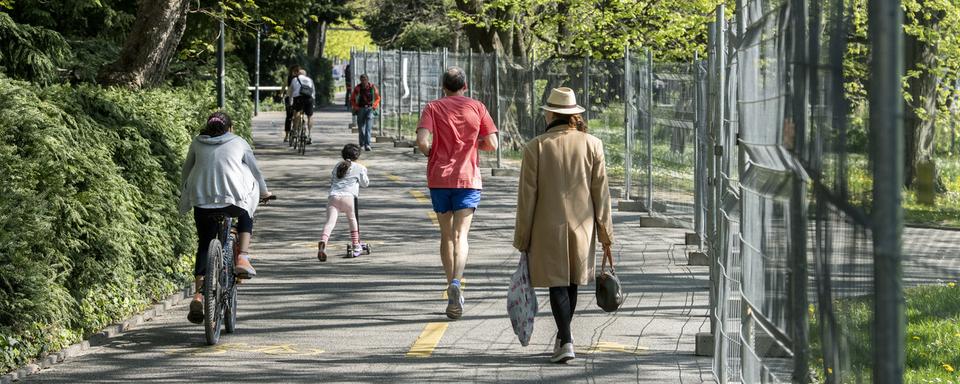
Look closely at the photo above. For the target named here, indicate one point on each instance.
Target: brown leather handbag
(609, 293)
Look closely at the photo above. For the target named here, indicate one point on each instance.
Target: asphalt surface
(379, 318)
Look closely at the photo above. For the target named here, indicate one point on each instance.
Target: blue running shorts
(454, 199)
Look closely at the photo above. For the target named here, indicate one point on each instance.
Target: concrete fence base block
(631, 205)
(505, 172)
(404, 144)
(659, 222)
(698, 258)
(705, 346)
(616, 192)
(384, 139)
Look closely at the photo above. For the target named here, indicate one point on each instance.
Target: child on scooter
(346, 179)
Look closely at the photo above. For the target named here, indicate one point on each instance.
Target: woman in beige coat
(563, 203)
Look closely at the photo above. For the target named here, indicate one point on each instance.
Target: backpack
(305, 90)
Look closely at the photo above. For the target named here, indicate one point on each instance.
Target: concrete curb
(99, 338)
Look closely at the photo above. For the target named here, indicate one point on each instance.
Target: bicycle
(294, 134)
(298, 132)
(220, 283)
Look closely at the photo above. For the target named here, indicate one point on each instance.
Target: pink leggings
(336, 204)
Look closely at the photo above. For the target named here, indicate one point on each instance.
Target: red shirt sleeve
(486, 122)
(426, 118)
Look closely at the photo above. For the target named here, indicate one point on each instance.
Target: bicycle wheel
(303, 136)
(230, 291)
(213, 292)
(294, 130)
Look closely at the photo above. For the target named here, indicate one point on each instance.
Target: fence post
(221, 69)
(533, 96)
(887, 151)
(627, 124)
(443, 69)
(698, 187)
(469, 73)
(712, 237)
(256, 84)
(720, 116)
(353, 77)
(586, 88)
(365, 61)
(496, 93)
(419, 81)
(380, 80)
(399, 90)
(648, 127)
(797, 311)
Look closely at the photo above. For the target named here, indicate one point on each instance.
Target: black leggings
(563, 302)
(208, 226)
(289, 120)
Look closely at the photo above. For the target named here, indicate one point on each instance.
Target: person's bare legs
(454, 249)
(309, 129)
(446, 243)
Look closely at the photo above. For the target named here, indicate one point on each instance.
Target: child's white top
(350, 184)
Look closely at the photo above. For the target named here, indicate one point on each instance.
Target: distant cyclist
(366, 100)
(302, 90)
(220, 175)
(288, 100)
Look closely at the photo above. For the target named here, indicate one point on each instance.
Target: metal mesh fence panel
(606, 115)
(672, 129)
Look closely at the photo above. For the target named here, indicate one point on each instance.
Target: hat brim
(564, 111)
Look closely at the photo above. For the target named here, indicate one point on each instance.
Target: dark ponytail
(350, 153)
(217, 124)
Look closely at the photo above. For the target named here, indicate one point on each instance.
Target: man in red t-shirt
(459, 126)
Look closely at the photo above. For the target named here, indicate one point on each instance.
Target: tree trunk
(322, 44)
(150, 45)
(313, 39)
(919, 141)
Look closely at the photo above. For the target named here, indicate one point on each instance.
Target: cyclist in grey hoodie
(220, 175)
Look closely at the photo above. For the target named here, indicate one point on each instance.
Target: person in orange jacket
(365, 99)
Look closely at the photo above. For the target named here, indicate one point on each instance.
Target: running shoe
(357, 250)
(454, 302)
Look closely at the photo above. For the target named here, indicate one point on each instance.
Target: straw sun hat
(563, 101)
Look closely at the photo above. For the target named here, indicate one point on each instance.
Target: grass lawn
(932, 341)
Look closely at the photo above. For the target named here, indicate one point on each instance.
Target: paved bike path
(379, 318)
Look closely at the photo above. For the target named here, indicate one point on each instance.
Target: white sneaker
(454, 302)
(564, 354)
(556, 344)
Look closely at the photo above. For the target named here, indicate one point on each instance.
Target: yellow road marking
(605, 346)
(428, 340)
(420, 196)
(433, 217)
(283, 349)
(393, 177)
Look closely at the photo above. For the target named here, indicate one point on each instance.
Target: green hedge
(89, 178)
